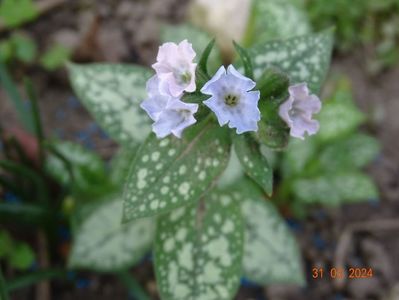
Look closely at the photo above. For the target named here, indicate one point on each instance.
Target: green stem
(16, 99)
(35, 277)
(36, 117)
(3, 288)
(135, 290)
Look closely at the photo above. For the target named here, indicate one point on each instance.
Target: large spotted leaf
(335, 188)
(198, 250)
(304, 58)
(279, 19)
(254, 163)
(172, 172)
(112, 94)
(121, 163)
(102, 243)
(271, 254)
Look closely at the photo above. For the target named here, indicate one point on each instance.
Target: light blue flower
(232, 100)
(170, 115)
(298, 109)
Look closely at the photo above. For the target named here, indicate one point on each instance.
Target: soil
(128, 31)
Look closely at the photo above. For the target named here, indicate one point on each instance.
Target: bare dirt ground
(128, 31)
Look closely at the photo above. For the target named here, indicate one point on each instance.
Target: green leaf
(23, 213)
(55, 57)
(22, 256)
(203, 63)
(304, 58)
(354, 152)
(272, 132)
(198, 250)
(16, 12)
(245, 59)
(172, 172)
(335, 188)
(102, 243)
(6, 243)
(199, 39)
(233, 172)
(25, 48)
(112, 94)
(87, 168)
(344, 110)
(279, 19)
(6, 50)
(254, 163)
(271, 254)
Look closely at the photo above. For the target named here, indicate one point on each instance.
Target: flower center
(231, 99)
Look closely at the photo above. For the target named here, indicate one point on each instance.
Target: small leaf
(25, 47)
(22, 256)
(254, 163)
(112, 93)
(246, 60)
(102, 243)
(55, 57)
(203, 63)
(198, 250)
(335, 188)
(271, 254)
(172, 172)
(273, 135)
(304, 58)
(6, 244)
(17, 12)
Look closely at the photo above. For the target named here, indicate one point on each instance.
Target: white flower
(170, 114)
(297, 111)
(175, 68)
(232, 100)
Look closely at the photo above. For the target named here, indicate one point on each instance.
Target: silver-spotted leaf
(102, 243)
(170, 172)
(335, 188)
(304, 58)
(271, 253)
(112, 94)
(198, 250)
(279, 19)
(254, 163)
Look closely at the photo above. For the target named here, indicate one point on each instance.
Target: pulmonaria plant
(202, 123)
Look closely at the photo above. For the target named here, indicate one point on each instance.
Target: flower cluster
(232, 97)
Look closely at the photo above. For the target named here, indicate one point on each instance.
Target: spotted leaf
(198, 250)
(335, 188)
(172, 172)
(102, 243)
(278, 19)
(304, 58)
(254, 163)
(112, 94)
(271, 254)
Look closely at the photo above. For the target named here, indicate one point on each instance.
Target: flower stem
(135, 290)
